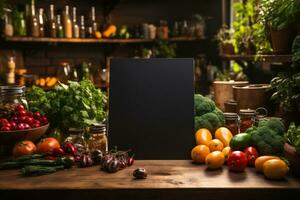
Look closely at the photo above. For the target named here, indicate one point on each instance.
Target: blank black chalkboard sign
(151, 107)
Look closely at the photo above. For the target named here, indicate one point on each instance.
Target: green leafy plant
(286, 86)
(78, 104)
(292, 136)
(225, 35)
(164, 49)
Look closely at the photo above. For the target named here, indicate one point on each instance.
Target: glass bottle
(175, 31)
(98, 138)
(34, 24)
(10, 76)
(22, 28)
(94, 24)
(82, 27)
(247, 117)
(184, 28)
(75, 25)
(67, 23)
(8, 27)
(41, 23)
(59, 27)
(52, 23)
(232, 122)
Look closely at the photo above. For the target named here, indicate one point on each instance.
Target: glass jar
(247, 117)
(76, 137)
(10, 97)
(98, 138)
(232, 122)
(260, 114)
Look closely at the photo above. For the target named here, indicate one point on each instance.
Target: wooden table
(175, 179)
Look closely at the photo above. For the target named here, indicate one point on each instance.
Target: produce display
(77, 104)
(261, 146)
(21, 119)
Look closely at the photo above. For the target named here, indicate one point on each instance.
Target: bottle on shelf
(22, 28)
(175, 31)
(10, 76)
(34, 24)
(75, 25)
(93, 22)
(41, 23)
(59, 27)
(52, 23)
(82, 27)
(67, 23)
(8, 27)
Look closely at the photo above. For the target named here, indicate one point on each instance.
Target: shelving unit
(94, 40)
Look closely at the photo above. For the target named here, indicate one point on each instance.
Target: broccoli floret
(201, 122)
(267, 141)
(273, 123)
(203, 105)
(220, 116)
(251, 130)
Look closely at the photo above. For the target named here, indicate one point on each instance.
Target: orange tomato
(199, 153)
(224, 135)
(226, 151)
(24, 148)
(215, 145)
(203, 136)
(261, 160)
(275, 169)
(215, 160)
(47, 145)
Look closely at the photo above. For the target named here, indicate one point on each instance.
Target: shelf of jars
(95, 40)
(284, 58)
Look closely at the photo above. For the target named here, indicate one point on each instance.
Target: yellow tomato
(226, 152)
(224, 135)
(215, 160)
(199, 153)
(203, 136)
(215, 145)
(275, 169)
(260, 161)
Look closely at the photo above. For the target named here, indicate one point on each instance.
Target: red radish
(20, 126)
(37, 115)
(19, 108)
(44, 120)
(21, 119)
(58, 152)
(13, 125)
(3, 121)
(26, 126)
(5, 128)
(29, 120)
(21, 113)
(14, 119)
(30, 114)
(35, 125)
(7, 125)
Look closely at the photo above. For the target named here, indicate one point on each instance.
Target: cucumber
(28, 157)
(9, 165)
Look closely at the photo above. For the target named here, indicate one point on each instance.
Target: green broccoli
(207, 115)
(203, 105)
(251, 130)
(267, 141)
(276, 124)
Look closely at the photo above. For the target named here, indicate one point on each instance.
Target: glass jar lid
(11, 90)
(98, 128)
(75, 131)
(247, 112)
(231, 116)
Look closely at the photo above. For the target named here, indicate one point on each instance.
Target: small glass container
(232, 122)
(76, 137)
(260, 114)
(10, 97)
(98, 138)
(247, 117)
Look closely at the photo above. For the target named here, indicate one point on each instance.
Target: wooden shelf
(93, 40)
(286, 58)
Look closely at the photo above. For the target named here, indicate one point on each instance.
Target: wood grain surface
(172, 179)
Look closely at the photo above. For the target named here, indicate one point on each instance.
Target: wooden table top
(171, 175)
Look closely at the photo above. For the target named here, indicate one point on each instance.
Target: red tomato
(251, 154)
(24, 148)
(47, 145)
(237, 161)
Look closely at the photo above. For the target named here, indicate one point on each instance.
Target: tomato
(24, 148)
(251, 154)
(237, 161)
(47, 145)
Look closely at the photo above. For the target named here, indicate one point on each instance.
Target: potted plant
(279, 16)
(286, 88)
(292, 148)
(224, 37)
